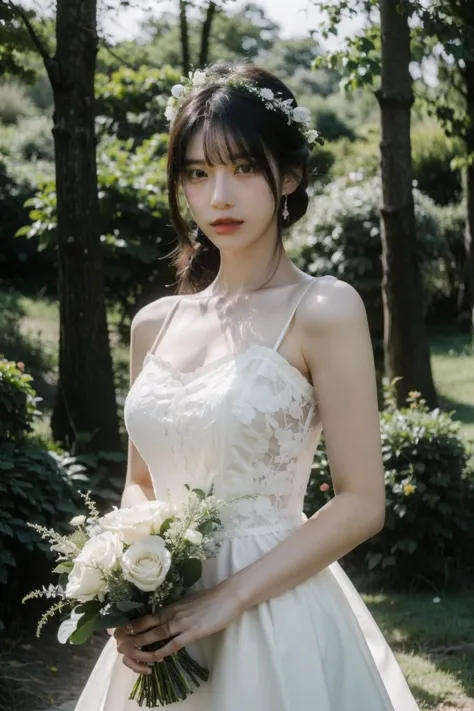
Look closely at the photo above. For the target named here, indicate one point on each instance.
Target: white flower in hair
(301, 115)
(273, 101)
(177, 90)
(198, 78)
(267, 94)
(312, 135)
(170, 113)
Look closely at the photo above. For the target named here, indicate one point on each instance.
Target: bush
(432, 154)
(340, 235)
(14, 103)
(135, 222)
(427, 540)
(33, 139)
(17, 401)
(131, 103)
(33, 488)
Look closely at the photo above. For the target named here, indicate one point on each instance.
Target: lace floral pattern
(247, 424)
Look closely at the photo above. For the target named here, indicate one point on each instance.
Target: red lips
(226, 221)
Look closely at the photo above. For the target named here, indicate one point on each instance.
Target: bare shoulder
(148, 321)
(330, 303)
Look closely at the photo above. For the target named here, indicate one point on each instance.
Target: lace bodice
(247, 423)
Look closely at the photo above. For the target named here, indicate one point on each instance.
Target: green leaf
(64, 567)
(165, 525)
(103, 622)
(85, 629)
(200, 493)
(374, 560)
(127, 605)
(191, 570)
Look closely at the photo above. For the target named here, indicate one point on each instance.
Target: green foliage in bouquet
(427, 540)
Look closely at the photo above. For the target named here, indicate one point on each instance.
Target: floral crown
(273, 101)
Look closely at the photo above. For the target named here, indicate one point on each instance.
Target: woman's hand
(196, 616)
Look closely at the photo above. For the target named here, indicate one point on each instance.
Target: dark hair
(233, 120)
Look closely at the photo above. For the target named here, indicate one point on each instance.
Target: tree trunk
(406, 347)
(183, 25)
(469, 234)
(206, 34)
(86, 395)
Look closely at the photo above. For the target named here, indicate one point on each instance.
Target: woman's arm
(145, 326)
(338, 352)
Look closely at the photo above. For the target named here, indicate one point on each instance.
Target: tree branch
(31, 31)
(120, 59)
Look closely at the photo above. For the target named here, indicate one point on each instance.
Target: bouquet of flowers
(127, 564)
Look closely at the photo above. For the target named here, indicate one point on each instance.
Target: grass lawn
(419, 632)
(418, 629)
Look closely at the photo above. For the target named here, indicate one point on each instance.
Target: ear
(291, 182)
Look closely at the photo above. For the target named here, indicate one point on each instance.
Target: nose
(222, 197)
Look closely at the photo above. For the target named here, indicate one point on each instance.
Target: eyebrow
(200, 161)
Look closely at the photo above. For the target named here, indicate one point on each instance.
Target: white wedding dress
(248, 423)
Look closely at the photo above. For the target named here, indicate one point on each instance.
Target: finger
(141, 625)
(174, 646)
(158, 634)
(136, 666)
(135, 652)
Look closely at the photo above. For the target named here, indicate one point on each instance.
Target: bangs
(232, 128)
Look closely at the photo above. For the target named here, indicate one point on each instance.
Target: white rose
(103, 551)
(193, 537)
(301, 115)
(146, 563)
(85, 583)
(267, 94)
(199, 78)
(77, 520)
(177, 90)
(136, 522)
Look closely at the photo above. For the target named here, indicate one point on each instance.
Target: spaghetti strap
(293, 312)
(164, 325)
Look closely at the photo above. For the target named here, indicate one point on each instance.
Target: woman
(233, 380)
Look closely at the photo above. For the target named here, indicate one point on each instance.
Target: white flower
(312, 135)
(193, 536)
(301, 115)
(65, 547)
(170, 113)
(267, 94)
(77, 520)
(136, 522)
(177, 90)
(146, 563)
(103, 551)
(85, 583)
(199, 78)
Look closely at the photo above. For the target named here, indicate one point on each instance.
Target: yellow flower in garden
(414, 394)
(409, 489)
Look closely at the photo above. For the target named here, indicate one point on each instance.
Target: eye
(246, 169)
(196, 174)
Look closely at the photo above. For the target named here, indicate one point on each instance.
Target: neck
(257, 266)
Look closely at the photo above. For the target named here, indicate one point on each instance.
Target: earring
(285, 212)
